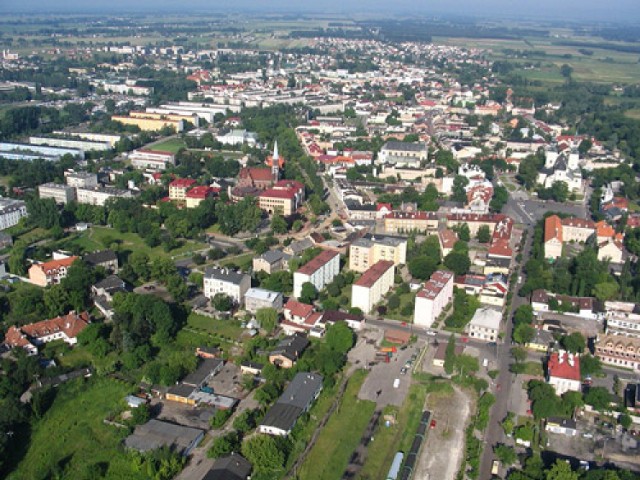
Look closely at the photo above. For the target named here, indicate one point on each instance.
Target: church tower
(275, 162)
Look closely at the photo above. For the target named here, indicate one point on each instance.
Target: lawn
(330, 455)
(399, 436)
(71, 437)
(243, 261)
(171, 145)
(225, 328)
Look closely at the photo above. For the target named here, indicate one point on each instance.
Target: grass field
(171, 145)
(71, 438)
(329, 457)
(226, 328)
(243, 261)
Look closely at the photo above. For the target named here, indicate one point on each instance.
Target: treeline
(21, 121)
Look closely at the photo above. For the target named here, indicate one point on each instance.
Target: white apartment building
(485, 324)
(622, 318)
(564, 372)
(433, 298)
(59, 192)
(84, 145)
(257, 298)
(81, 179)
(372, 286)
(151, 159)
(11, 211)
(370, 249)
(320, 271)
(231, 283)
(100, 195)
(403, 153)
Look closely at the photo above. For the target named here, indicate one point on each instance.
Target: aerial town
(326, 248)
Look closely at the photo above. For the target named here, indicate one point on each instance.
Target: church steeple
(275, 162)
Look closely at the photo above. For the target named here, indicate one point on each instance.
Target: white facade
(11, 211)
(151, 160)
(485, 324)
(257, 298)
(81, 179)
(228, 282)
(433, 298)
(59, 192)
(372, 286)
(84, 145)
(100, 195)
(319, 272)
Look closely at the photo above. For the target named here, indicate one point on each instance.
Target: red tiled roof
(500, 248)
(559, 366)
(318, 262)
(448, 238)
(298, 309)
(552, 228)
(435, 284)
(273, 193)
(200, 191)
(71, 324)
(256, 173)
(55, 265)
(374, 273)
(182, 182)
(155, 152)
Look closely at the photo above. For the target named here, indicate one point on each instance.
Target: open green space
(214, 326)
(171, 145)
(243, 261)
(71, 440)
(330, 455)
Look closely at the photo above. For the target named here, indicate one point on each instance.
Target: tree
(463, 232)
(484, 234)
(459, 194)
(222, 302)
(224, 445)
(56, 299)
(266, 453)
(523, 333)
(267, 318)
(598, 397)
(220, 418)
(561, 470)
(506, 454)
(279, 224)
(566, 71)
(559, 191)
(590, 365)
(574, 343)
(450, 355)
(340, 337)
(308, 293)
(457, 262)
(394, 302)
(606, 291)
(585, 146)
(519, 354)
(422, 267)
(625, 421)
(246, 420)
(524, 314)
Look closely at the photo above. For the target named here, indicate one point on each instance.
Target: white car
(431, 333)
(396, 383)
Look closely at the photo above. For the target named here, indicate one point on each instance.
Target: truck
(389, 349)
(495, 468)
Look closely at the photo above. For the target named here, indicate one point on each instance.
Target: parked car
(431, 333)
(396, 383)
(432, 425)
(403, 371)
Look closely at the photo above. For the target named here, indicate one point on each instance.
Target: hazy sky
(600, 10)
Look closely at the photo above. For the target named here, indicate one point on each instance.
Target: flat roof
(156, 433)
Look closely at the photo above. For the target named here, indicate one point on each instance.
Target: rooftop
(317, 262)
(155, 434)
(486, 318)
(564, 365)
(224, 275)
(262, 294)
(374, 273)
(435, 284)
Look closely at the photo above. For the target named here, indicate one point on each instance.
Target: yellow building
(153, 121)
(407, 222)
(368, 250)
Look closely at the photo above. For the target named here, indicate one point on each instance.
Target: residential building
(84, 145)
(50, 273)
(178, 188)
(150, 122)
(447, 240)
(103, 292)
(441, 353)
(494, 291)
(622, 318)
(320, 271)
(354, 321)
(156, 434)
(372, 286)
(21, 151)
(230, 467)
(297, 399)
(300, 318)
(154, 160)
(558, 231)
(619, 351)
(11, 211)
(199, 194)
(433, 298)
(231, 283)
(106, 259)
(410, 222)
(370, 249)
(485, 324)
(271, 261)
(288, 350)
(611, 250)
(285, 197)
(59, 192)
(552, 237)
(403, 153)
(257, 298)
(81, 179)
(31, 336)
(100, 195)
(563, 372)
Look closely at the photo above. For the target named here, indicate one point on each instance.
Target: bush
(220, 418)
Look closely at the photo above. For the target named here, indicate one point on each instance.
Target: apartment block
(373, 285)
(231, 283)
(432, 299)
(154, 160)
(370, 249)
(100, 195)
(320, 271)
(59, 192)
(11, 211)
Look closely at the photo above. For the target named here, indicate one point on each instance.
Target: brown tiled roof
(318, 262)
(374, 273)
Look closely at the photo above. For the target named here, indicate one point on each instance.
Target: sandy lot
(442, 453)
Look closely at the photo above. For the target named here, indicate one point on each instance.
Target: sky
(580, 10)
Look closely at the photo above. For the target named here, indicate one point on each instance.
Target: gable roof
(552, 228)
(564, 365)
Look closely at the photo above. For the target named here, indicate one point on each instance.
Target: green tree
(574, 343)
(506, 454)
(606, 291)
(56, 299)
(457, 262)
(308, 294)
(590, 365)
(393, 302)
(266, 454)
(625, 421)
(598, 397)
(220, 418)
(484, 234)
(450, 355)
(340, 337)
(279, 224)
(422, 267)
(458, 192)
(523, 333)
(463, 232)
(523, 314)
(268, 318)
(561, 470)
(519, 354)
(222, 302)
(566, 70)
(224, 445)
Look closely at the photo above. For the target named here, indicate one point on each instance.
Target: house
(618, 351)
(485, 324)
(611, 250)
(561, 426)
(447, 240)
(226, 281)
(297, 312)
(230, 467)
(353, 321)
(156, 434)
(103, 292)
(563, 372)
(271, 261)
(297, 247)
(372, 286)
(470, 283)
(50, 273)
(288, 351)
(433, 298)
(31, 336)
(106, 259)
(297, 399)
(257, 298)
(320, 271)
(494, 291)
(251, 368)
(207, 369)
(199, 194)
(369, 249)
(441, 353)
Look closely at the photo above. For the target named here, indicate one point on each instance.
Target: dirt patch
(451, 413)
